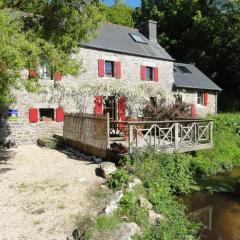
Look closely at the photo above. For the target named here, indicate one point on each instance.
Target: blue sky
(132, 3)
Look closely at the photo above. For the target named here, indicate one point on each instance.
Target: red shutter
(57, 76)
(98, 105)
(33, 115)
(205, 98)
(59, 115)
(194, 111)
(143, 73)
(101, 67)
(121, 109)
(156, 77)
(118, 69)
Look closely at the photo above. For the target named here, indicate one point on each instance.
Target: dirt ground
(42, 191)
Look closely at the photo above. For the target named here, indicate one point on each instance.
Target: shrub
(161, 111)
(119, 179)
(173, 169)
(226, 151)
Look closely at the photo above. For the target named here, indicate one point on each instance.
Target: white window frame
(200, 99)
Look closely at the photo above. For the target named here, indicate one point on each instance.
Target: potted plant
(57, 76)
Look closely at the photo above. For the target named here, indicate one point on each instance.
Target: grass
(37, 222)
(164, 178)
(42, 186)
(61, 206)
(38, 211)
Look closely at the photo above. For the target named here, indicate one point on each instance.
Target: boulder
(97, 160)
(77, 234)
(105, 169)
(112, 204)
(125, 231)
(153, 217)
(144, 203)
(134, 183)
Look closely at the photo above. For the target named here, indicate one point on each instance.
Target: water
(219, 212)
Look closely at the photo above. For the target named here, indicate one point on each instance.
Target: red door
(121, 109)
(98, 105)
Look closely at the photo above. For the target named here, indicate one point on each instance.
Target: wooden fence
(87, 132)
(181, 136)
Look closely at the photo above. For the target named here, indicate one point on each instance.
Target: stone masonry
(24, 132)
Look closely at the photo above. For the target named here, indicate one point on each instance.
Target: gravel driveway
(41, 193)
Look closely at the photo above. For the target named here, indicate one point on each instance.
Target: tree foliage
(119, 13)
(206, 33)
(35, 30)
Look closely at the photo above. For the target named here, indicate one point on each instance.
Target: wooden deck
(164, 136)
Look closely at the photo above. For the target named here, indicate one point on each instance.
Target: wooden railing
(182, 135)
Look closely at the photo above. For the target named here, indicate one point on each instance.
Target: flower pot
(57, 76)
(33, 73)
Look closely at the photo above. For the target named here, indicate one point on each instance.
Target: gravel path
(41, 193)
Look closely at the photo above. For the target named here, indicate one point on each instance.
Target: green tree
(36, 30)
(119, 13)
(205, 33)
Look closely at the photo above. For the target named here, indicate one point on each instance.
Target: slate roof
(194, 80)
(116, 38)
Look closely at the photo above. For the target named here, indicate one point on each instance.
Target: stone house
(122, 69)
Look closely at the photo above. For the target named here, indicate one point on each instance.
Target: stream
(219, 211)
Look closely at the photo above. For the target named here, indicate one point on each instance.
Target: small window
(46, 114)
(45, 70)
(149, 73)
(109, 68)
(200, 98)
(138, 38)
(183, 69)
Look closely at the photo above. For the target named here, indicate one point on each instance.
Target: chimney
(149, 30)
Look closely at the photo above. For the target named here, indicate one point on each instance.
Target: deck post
(130, 137)
(108, 131)
(176, 136)
(211, 133)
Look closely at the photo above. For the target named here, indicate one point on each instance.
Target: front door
(109, 106)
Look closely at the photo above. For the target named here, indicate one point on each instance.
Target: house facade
(121, 69)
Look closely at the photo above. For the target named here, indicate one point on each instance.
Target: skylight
(138, 38)
(183, 69)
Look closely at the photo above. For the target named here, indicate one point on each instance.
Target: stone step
(48, 142)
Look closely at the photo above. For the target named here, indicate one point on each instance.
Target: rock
(106, 168)
(134, 183)
(125, 231)
(112, 205)
(77, 234)
(96, 160)
(144, 203)
(153, 217)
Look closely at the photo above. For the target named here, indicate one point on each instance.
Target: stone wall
(52, 94)
(21, 130)
(190, 96)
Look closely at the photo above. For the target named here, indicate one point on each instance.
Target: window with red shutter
(143, 73)
(205, 98)
(59, 115)
(156, 77)
(98, 105)
(118, 69)
(33, 115)
(101, 66)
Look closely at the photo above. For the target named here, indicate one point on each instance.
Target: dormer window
(138, 38)
(183, 69)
